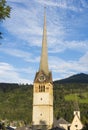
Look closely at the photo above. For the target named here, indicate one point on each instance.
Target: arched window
(41, 88)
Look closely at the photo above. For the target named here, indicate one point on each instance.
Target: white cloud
(77, 44)
(9, 74)
(27, 24)
(60, 46)
(65, 4)
(59, 67)
(26, 56)
(67, 68)
(17, 53)
(23, 22)
(24, 28)
(84, 59)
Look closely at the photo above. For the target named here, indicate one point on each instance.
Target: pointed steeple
(76, 105)
(44, 55)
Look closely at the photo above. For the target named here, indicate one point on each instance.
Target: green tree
(4, 12)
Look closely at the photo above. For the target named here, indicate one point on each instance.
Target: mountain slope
(78, 78)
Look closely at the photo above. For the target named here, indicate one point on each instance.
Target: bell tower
(43, 90)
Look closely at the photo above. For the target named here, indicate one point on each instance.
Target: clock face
(42, 78)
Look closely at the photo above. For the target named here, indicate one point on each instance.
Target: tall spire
(44, 54)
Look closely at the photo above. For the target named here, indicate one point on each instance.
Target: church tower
(43, 90)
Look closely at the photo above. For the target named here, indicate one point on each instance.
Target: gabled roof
(62, 121)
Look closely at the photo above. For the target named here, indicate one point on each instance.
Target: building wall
(65, 126)
(76, 124)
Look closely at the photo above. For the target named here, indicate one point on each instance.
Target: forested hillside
(78, 78)
(16, 101)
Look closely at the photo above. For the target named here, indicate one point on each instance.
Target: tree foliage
(16, 102)
(4, 11)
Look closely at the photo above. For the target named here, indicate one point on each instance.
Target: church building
(43, 90)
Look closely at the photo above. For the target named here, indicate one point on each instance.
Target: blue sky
(67, 38)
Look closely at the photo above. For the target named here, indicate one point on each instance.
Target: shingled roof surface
(62, 121)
